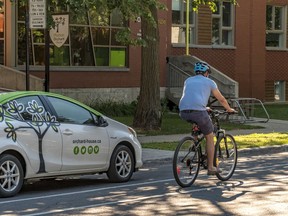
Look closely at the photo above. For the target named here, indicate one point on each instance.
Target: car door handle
(67, 132)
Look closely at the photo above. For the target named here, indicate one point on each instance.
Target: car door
(85, 145)
(29, 125)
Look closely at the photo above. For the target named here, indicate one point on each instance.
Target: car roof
(7, 96)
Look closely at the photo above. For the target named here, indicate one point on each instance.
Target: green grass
(243, 141)
(172, 124)
(275, 111)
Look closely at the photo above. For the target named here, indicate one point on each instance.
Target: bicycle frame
(189, 157)
(196, 133)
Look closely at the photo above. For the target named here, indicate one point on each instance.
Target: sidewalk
(272, 125)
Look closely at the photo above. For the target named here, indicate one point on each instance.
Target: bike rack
(246, 110)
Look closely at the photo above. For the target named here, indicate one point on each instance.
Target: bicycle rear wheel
(226, 156)
(186, 162)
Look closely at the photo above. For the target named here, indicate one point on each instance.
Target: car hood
(118, 129)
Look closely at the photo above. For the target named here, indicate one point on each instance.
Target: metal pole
(27, 31)
(47, 60)
(187, 27)
(47, 53)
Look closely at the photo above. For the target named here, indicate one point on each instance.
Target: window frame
(21, 61)
(182, 25)
(219, 15)
(282, 32)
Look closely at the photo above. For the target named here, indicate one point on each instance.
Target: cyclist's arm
(222, 100)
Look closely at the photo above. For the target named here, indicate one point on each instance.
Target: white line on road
(130, 185)
(135, 200)
(119, 186)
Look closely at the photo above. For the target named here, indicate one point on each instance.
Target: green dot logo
(96, 149)
(83, 150)
(76, 150)
(90, 150)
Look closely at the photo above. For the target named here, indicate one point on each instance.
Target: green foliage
(119, 109)
(211, 3)
(112, 108)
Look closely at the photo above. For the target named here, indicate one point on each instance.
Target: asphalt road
(258, 187)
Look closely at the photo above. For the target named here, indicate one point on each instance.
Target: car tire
(11, 175)
(121, 164)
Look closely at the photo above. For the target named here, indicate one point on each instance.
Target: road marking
(120, 186)
(86, 191)
(183, 191)
(135, 200)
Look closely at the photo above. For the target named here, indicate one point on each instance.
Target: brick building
(247, 42)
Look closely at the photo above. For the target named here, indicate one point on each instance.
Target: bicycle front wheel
(186, 162)
(226, 156)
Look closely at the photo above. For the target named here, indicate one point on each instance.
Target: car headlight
(132, 131)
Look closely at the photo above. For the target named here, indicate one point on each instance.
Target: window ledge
(203, 46)
(281, 49)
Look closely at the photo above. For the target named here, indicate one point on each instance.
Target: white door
(84, 146)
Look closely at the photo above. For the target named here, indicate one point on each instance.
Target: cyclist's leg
(204, 122)
(210, 151)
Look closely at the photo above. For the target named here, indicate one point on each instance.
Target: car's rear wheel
(121, 164)
(11, 175)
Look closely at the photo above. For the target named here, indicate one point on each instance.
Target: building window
(279, 89)
(275, 26)
(223, 24)
(91, 40)
(178, 31)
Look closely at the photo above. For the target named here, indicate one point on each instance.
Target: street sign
(37, 14)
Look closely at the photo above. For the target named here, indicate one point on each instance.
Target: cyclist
(192, 106)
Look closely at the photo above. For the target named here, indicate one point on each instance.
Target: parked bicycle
(190, 153)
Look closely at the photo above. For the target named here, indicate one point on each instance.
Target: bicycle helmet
(201, 68)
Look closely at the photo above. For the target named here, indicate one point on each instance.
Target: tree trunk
(148, 113)
(41, 158)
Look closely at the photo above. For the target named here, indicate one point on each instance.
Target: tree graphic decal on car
(40, 117)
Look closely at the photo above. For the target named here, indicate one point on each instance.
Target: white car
(44, 135)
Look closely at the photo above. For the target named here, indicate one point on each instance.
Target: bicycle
(189, 157)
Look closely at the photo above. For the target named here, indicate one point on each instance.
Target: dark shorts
(202, 118)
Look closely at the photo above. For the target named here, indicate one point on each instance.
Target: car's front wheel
(11, 175)
(121, 164)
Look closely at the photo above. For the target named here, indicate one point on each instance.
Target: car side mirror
(101, 122)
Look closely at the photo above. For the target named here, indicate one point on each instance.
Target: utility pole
(187, 26)
(27, 32)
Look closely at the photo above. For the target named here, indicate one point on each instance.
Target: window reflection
(275, 30)
(101, 36)
(59, 56)
(102, 56)
(178, 31)
(81, 46)
(91, 41)
(222, 24)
